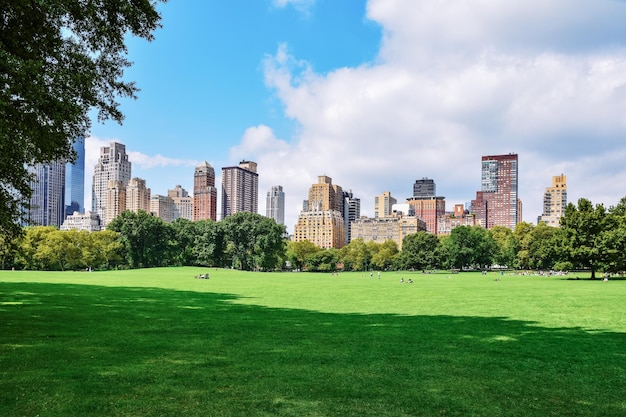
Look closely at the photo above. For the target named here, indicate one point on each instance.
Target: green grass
(158, 342)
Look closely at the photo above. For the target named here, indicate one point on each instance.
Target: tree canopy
(58, 60)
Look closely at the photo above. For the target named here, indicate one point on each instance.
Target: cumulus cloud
(454, 81)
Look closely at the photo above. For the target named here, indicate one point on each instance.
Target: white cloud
(300, 5)
(454, 81)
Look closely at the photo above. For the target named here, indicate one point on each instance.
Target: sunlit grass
(159, 342)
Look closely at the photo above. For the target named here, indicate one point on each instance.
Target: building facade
(75, 180)
(162, 206)
(555, 201)
(321, 221)
(424, 188)
(275, 204)
(47, 202)
(383, 205)
(88, 221)
(115, 201)
(459, 217)
(382, 229)
(183, 203)
(112, 165)
(497, 203)
(204, 193)
(323, 228)
(137, 195)
(351, 212)
(240, 189)
(428, 209)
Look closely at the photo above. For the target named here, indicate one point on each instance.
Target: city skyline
(379, 93)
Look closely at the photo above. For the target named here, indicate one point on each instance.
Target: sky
(377, 94)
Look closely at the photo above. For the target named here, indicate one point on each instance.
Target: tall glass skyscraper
(46, 206)
(75, 180)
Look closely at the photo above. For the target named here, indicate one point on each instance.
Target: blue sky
(379, 93)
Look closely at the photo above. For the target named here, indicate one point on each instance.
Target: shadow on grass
(100, 351)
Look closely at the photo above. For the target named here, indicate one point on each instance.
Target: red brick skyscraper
(204, 193)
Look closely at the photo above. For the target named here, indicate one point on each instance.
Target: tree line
(589, 237)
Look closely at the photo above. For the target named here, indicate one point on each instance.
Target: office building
(240, 189)
(424, 188)
(204, 193)
(555, 201)
(75, 180)
(275, 204)
(112, 165)
(383, 205)
(47, 202)
(183, 203)
(497, 203)
(137, 195)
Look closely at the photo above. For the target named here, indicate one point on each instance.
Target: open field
(157, 342)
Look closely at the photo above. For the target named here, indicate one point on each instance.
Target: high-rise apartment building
(112, 165)
(429, 209)
(82, 221)
(47, 202)
(497, 203)
(183, 203)
(555, 201)
(240, 189)
(381, 229)
(383, 205)
(204, 193)
(137, 195)
(162, 206)
(322, 222)
(424, 188)
(75, 180)
(351, 212)
(115, 200)
(275, 204)
(325, 195)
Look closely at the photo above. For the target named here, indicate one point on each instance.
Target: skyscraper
(47, 202)
(275, 204)
(75, 180)
(137, 195)
(555, 201)
(424, 188)
(321, 221)
(113, 165)
(183, 204)
(240, 189)
(204, 193)
(351, 212)
(497, 203)
(383, 204)
(115, 201)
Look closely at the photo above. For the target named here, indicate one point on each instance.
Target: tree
(582, 237)
(523, 237)
(506, 246)
(543, 244)
(356, 255)
(256, 241)
(614, 240)
(323, 261)
(298, 251)
(146, 239)
(385, 255)
(471, 246)
(418, 251)
(58, 60)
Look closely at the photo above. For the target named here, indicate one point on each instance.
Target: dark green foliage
(147, 240)
(256, 241)
(209, 244)
(58, 60)
(419, 252)
(471, 247)
(323, 261)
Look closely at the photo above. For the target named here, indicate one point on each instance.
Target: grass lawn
(157, 342)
